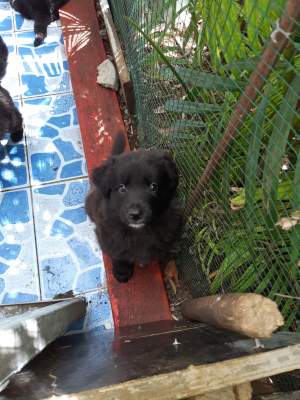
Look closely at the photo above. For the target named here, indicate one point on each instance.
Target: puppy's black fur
(43, 12)
(10, 117)
(133, 204)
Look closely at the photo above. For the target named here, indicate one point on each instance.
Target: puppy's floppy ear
(171, 170)
(102, 176)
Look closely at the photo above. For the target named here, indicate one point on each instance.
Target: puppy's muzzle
(136, 217)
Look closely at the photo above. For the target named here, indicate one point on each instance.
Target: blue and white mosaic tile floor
(47, 243)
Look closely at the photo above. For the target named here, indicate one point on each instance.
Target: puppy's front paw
(17, 135)
(122, 278)
(122, 270)
(39, 39)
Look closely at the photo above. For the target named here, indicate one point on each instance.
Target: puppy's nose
(134, 214)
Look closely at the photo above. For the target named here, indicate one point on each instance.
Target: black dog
(10, 117)
(43, 12)
(133, 204)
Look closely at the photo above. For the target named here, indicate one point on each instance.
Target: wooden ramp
(143, 299)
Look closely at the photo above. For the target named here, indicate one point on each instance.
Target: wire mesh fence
(191, 61)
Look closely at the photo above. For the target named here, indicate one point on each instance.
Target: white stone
(107, 75)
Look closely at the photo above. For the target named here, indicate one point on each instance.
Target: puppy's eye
(154, 187)
(122, 188)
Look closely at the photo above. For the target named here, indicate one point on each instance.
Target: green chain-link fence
(190, 61)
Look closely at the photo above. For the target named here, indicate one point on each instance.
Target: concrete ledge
(24, 336)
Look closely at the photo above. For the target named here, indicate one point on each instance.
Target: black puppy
(43, 12)
(133, 204)
(10, 117)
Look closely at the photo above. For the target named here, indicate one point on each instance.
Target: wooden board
(238, 392)
(147, 358)
(144, 298)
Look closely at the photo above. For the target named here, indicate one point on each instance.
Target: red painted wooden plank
(143, 299)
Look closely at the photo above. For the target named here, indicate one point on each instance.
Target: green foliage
(189, 80)
(282, 123)
(222, 30)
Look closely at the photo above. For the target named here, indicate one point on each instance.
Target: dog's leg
(41, 22)
(122, 270)
(17, 131)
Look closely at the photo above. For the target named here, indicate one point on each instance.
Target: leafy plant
(198, 73)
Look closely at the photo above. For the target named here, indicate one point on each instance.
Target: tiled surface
(11, 79)
(47, 243)
(68, 254)
(6, 17)
(43, 70)
(54, 145)
(13, 162)
(18, 264)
